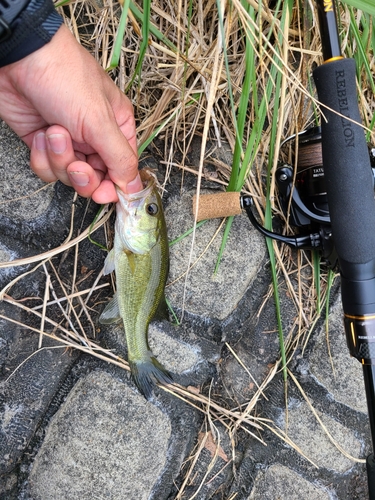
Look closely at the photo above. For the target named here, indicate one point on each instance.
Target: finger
(127, 128)
(123, 111)
(96, 162)
(105, 193)
(39, 161)
(60, 152)
(83, 148)
(86, 180)
(115, 150)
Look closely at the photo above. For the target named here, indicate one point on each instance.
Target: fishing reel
(303, 197)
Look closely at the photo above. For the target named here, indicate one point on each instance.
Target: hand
(78, 124)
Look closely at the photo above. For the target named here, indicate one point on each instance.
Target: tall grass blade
(331, 277)
(316, 266)
(144, 44)
(227, 228)
(248, 84)
(117, 47)
(152, 28)
(362, 40)
(268, 212)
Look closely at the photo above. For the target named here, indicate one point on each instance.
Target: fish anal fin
(111, 312)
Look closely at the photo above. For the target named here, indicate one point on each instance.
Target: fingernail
(40, 142)
(57, 143)
(134, 186)
(79, 178)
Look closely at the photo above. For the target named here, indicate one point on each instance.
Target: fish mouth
(135, 236)
(148, 179)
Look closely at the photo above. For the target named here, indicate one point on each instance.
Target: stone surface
(29, 379)
(25, 394)
(282, 483)
(105, 442)
(341, 374)
(176, 356)
(307, 433)
(5, 255)
(24, 195)
(203, 290)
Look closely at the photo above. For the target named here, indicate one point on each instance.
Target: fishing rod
(350, 193)
(330, 199)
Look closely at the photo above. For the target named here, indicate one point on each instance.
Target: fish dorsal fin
(111, 312)
(109, 263)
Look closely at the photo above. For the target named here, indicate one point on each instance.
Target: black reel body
(303, 197)
(302, 190)
(304, 193)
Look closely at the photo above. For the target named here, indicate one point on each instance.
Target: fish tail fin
(147, 373)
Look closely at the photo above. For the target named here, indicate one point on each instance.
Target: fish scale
(139, 303)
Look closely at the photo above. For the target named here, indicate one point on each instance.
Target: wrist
(26, 27)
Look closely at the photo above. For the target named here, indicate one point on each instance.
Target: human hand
(78, 124)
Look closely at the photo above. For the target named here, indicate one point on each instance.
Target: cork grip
(217, 205)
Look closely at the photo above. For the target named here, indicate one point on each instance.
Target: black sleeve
(33, 27)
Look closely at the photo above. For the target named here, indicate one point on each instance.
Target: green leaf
(365, 5)
(101, 208)
(145, 40)
(316, 263)
(116, 52)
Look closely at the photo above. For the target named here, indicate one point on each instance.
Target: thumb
(118, 155)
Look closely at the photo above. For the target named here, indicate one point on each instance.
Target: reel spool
(305, 191)
(303, 194)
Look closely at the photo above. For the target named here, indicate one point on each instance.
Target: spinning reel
(303, 197)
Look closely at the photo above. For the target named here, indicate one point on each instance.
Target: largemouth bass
(140, 259)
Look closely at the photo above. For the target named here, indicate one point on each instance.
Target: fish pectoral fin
(109, 263)
(131, 261)
(111, 312)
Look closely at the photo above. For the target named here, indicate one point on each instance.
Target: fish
(140, 259)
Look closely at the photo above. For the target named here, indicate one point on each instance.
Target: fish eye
(152, 209)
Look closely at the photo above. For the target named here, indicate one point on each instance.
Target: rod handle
(217, 205)
(347, 167)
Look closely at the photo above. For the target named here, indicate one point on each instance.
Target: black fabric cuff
(33, 28)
